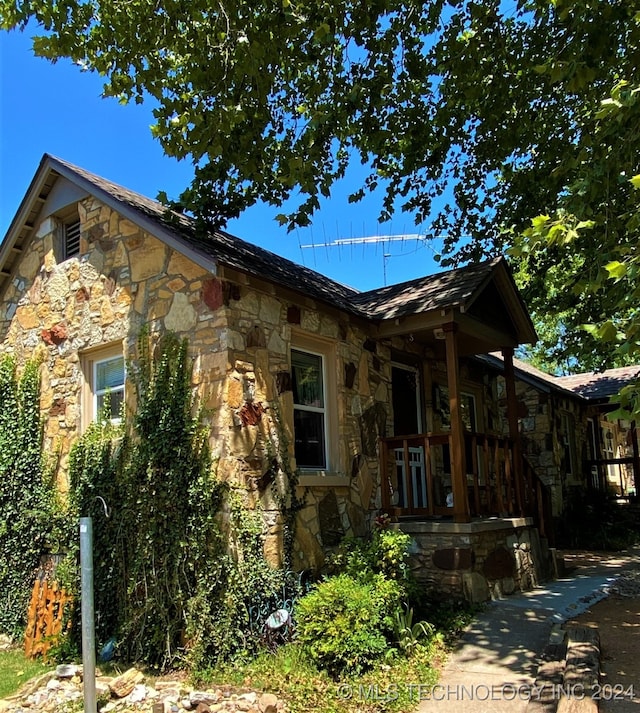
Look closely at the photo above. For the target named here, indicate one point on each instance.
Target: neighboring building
(382, 396)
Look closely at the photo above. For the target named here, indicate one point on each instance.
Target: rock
(186, 704)
(102, 689)
(170, 694)
(33, 685)
(203, 708)
(124, 684)
(252, 697)
(208, 697)
(138, 694)
(268, 703)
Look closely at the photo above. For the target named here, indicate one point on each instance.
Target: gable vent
(71, 239)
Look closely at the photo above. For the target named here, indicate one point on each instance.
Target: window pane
(309, 439)
(114, 400)
(307, 379)
(109, 373)
(468, 408)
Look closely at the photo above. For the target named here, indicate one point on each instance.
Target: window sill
(314, 479)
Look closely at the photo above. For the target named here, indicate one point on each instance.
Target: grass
(15, 670)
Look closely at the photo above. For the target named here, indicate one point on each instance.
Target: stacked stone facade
(240, 332)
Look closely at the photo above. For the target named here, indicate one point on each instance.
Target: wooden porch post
(458, 476)
(514, 431)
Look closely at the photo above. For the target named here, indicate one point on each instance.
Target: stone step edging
(568, 674)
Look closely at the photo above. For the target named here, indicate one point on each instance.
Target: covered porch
(468, 469)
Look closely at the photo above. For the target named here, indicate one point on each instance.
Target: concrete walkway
(495, 663)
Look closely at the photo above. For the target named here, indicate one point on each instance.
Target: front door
(410, 488)
(405, 399)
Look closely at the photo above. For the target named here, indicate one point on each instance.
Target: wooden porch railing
(416, 478)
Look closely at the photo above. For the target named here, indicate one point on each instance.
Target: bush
(27, 495)
(385, 553)
(342, 622)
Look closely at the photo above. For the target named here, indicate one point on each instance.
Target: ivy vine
(284, 488)
(179, 563)
(27, 495)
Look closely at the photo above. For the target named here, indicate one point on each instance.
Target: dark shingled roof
(441, 291)
(445, 290)
(528, 373)
(600, 386)
(590, 386)
(223, 247)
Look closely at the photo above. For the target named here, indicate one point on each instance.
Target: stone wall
(476, 561)
(240, 332)
(542, 430)
(263, 325)
(123, 279)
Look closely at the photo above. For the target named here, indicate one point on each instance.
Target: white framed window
(310, 418)
(104, 384)
(108, 387)
(312, 410)
(468, 411)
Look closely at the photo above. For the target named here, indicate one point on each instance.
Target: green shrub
(342, 622)
(385, 552)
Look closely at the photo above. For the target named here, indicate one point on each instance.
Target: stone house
(381, 395)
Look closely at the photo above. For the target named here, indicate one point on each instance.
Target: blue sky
(57, 109)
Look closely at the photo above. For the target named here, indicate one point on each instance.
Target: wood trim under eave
(24, 210)
(414, 324)
(516, 307)
(480, 330)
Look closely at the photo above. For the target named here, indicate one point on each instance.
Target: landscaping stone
(49, 693)
(123, 685)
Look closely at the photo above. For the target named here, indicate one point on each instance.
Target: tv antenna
(377, 240)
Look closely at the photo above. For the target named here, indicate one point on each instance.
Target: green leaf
(616, 269)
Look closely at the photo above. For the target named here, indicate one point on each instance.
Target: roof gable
(485, 291)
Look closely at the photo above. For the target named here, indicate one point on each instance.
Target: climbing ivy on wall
(27, 500)
(94, 465)
(170, 503)
(179, 565)
(284, 487)
(154, 473)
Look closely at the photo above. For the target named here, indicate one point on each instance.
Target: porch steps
(568, 672)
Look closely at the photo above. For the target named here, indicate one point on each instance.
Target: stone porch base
(476, 561)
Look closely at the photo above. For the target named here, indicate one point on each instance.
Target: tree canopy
(499, 124)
